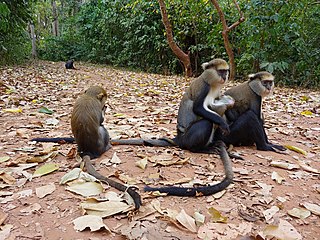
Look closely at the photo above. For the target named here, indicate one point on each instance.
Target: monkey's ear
(252, 76)
(100, 96)
(205, 65)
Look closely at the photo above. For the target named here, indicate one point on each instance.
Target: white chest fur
(210, 98)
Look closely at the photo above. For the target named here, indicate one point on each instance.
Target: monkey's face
(268, 87)
(224, 74)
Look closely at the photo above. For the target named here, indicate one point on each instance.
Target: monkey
(91, 136)
(196, 125)
(196, 122)
(245, 117)
(69, 64)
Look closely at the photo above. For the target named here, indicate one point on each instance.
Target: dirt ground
(274, 196)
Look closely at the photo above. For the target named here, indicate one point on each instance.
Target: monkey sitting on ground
(245, 117)
(69, 64)
(196, 121)
(91, 136)
(197, 124)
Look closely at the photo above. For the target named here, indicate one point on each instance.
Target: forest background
(280, 36)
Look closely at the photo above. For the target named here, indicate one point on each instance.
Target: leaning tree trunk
(225, 32)
(183, 57)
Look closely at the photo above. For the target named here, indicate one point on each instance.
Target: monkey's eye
(267, 84)
(223, 73)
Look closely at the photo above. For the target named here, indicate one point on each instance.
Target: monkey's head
(97, 92)
(261, 83)
(218, 70)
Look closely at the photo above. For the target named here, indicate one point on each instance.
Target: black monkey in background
(69, 64)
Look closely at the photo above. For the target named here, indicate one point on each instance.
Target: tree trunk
(225, 31)
(183, 57)
(33, 41)
(55, 23)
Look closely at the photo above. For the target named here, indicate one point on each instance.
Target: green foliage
(14, 44)
(281, 37)
(278, 36)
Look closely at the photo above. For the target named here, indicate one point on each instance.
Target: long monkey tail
(55, 140)
(160, 142)
(204, 190)
(130, 190)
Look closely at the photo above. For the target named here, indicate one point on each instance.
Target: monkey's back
(85, 123)
(243, 97)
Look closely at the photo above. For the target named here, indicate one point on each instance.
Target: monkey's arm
(131, 190)
(201, 108)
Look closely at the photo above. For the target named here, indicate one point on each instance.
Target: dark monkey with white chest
(245, 117)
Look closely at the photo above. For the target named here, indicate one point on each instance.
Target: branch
(241, 19)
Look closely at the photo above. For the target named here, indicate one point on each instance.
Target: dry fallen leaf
(95, 223)
(43, 191)
(284, 230)
(5, 231)
(314, 208)
(106, 208)
(216, 216)
(277, 177)
(187, 221)
(285, 165)
(199, 218)
(269, 213)
(46, 169)
(115, 159)
(142, 163)
(86, 189)
(299, 213)
(70, 176)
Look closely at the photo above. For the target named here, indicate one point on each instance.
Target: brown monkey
(91, 136)
(245, 117)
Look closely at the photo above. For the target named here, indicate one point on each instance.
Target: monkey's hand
(224, 128)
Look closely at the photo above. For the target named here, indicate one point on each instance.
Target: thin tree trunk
(55, 23)
(33, 41)
(225, 31)
(183, 57)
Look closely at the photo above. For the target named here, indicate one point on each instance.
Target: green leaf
(45, 110)
(46, 169)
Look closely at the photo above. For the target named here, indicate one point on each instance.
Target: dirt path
(145, 105)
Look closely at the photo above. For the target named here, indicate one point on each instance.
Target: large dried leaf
(314, 208)
(299, 213)
(187, 221)
(46, 169)
(86, 189)
(43, 191)
(105, 209)
(284, 230)
(95, 223)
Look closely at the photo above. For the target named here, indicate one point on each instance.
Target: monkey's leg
(196, 137)
(246, 130)
(278, 147)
